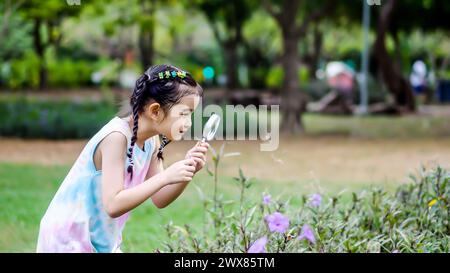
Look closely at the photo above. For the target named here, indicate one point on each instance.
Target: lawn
(26, 191)
(355, 152)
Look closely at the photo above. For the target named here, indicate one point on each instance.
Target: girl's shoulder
(115, 131)
(115, 138)
(120, 125)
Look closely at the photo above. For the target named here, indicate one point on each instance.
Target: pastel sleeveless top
(75, 220)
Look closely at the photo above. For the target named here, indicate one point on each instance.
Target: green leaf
(250, 216)
(209, 171)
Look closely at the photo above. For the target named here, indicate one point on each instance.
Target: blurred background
(363, 89)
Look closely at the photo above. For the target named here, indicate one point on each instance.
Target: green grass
(378, 126)
(26, 190)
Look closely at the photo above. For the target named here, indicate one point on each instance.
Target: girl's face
(178, 120)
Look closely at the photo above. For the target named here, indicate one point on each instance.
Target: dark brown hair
(167, 91)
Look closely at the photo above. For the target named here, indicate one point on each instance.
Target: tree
(390, 70)
(141, 14)
(227, 18)
(147, 32)
(287, 14)
(424, 15)
(14, 31)
(261, 42)
(314, 50)
(49, 15)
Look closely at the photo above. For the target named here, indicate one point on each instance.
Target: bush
(31, 118)
(414, 219)
(69, 73)
(22, 72)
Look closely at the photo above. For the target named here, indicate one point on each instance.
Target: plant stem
(215, 184)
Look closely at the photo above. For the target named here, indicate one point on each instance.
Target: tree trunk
(292, 102)
(231, 62)
(392, 75)
(39, 48)
(258, 64)
(146, 34)
(313, 57)
(146, 48)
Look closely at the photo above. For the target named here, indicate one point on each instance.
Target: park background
(65, 66)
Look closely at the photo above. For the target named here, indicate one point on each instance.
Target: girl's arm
(169, 193)
(118, 200)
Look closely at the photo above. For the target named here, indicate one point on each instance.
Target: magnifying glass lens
(211, 127)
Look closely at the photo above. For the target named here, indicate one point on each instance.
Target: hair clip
(166, 74)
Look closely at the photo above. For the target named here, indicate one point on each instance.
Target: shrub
(69, 73)
(413, 219)
(31, 118)
(23, 72)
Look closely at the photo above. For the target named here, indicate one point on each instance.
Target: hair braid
(164, 142)
(135, 98)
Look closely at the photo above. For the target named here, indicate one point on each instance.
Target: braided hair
(167, 91)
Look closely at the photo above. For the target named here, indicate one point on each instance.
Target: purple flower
(307, 234)
(277, 222)
(259, 246)
(315, 200)
(266, 199)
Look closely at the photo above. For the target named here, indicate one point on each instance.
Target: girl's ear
(154, 112)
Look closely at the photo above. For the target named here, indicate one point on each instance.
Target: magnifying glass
(211, 127)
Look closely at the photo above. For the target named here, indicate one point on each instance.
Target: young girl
(121, 166)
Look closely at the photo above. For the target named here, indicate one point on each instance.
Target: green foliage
(182, 36)
(22, 72)
(15, 37)
(49, 10)
(70, 73)
(275, 77)
(414, 219)
(31, 118)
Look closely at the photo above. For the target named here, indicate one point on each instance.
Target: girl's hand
(198, 153)
(178, 172)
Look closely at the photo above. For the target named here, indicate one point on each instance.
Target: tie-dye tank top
(75, 220)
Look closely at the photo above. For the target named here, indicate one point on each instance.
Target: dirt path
(343, 159)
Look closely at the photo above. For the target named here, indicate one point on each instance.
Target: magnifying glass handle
(203, 140)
